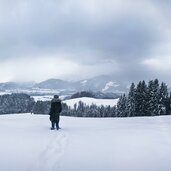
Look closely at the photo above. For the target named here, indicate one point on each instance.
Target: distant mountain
(101, 83)
(104, 84)
(15, 85)
(55, 84)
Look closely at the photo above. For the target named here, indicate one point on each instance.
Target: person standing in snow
(56, 108)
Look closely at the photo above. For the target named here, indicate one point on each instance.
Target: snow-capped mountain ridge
(109, 85)
(101, 83)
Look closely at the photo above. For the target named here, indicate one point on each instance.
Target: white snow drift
(85, 144)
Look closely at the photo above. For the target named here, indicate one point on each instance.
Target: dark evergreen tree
(168, 105)
(107, 111)
(113, 112)
(122, 106)
(153, 98)
(94, 110)
(131, 101)
(144, 103)
(140, 99)
(16, 103)
(101, 110)
(41, 107)
(80, 109)
(163, 99)
(65, 110)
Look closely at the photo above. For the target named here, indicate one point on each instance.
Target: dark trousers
(55, 123)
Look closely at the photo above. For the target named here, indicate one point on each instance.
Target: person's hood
(56, 100)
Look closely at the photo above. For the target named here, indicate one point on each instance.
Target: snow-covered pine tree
(144, 102)
(41, 107)
(153, 97)
(141, 99)
(113, 112)
(80, 109)
(138, 100)
(101, 110)
(150, 97)
(16, 103)
(121, 106)
(65, 110)
(130, 107)
(163, 99)
(107, 111)
(169, 105)
(93, 110)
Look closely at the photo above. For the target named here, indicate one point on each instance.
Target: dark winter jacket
(56, 108)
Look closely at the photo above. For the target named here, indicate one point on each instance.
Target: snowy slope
(109, 85)
(86, 100)
(84, 144)
(43, 98)
(89, 101)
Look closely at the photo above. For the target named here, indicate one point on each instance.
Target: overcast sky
(78, 39)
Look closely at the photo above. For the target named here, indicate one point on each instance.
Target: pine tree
(94, 111)
(153, 97)
(163, 99)
(101, 110)
(138, 99)
(141, 99)
(144, 101)
(80, 109)
(131, 101)
(121, 106)
(169, 105)
(113, 112)
(107, 111)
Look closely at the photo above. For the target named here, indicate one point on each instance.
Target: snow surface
(46, 97)
(4, 93)
(32, 91)
(43, 98)
(89, 101)
(85, 144)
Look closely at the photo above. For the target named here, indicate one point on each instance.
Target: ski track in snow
(50, 157)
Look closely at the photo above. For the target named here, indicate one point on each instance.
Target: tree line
(83, 110)
(143, 99)
(16, 103)
(150, 99)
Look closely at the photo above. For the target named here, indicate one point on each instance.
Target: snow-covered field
(86, 100)
(85, 144)
(43, 98)
(89, 101)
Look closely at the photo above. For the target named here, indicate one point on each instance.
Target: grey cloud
(48, 28)
(34, 28)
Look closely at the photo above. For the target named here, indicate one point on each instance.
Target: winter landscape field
(89, 101)
(103, 66)
(86, 144)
